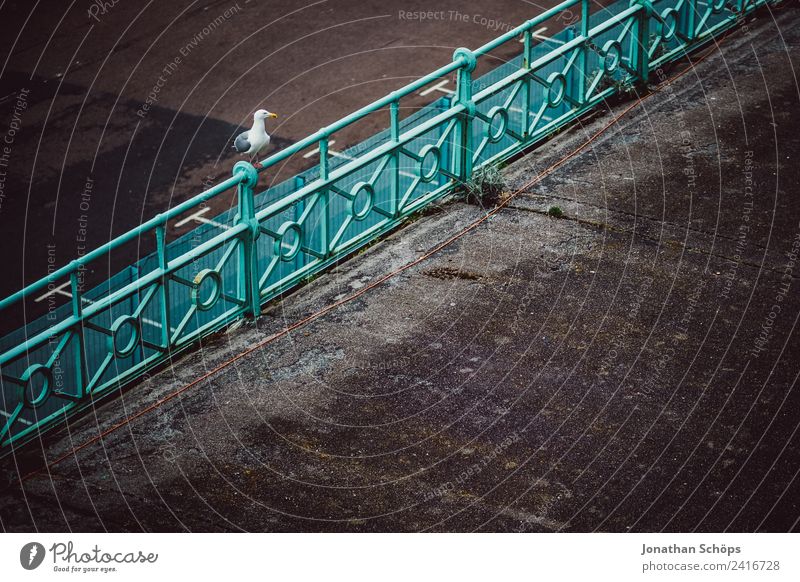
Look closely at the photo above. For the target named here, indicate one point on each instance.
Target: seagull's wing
(241, 144)
(265, 144)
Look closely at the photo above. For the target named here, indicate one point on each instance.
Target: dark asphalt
(630, 367)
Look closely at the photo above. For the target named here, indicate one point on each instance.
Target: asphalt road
(120, 110)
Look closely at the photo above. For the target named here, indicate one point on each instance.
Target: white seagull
(253, 141)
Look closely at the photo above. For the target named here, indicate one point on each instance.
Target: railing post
(77, 311)
(248, 266)
(572, 88)
(582, 60)
(689, 25)
(464, 97)
(300, 207)
(394, 128)
(161, 250)
(324, 170)
(526, 87)
(641, 41)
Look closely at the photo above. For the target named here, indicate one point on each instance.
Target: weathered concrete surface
(617, 369)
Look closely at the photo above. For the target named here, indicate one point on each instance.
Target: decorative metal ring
(671, 18)
(116, 330)
(469, 58)
(433, 153)
(495, 133)
(216, 289)
(27, 397)
(612, 54)
(285, 247)
(250, 178)
(363, 198)
(557, 88)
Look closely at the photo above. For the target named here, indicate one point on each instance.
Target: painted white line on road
(198, 217)
(156, 324)
(142, 319)
(192, 217)
(213, 223)
(22, 420)
(536, 34)
(437, 87)
(57, 290)
(341, 155)
(334, 153)
(90, 302)
(539, 35)
(315, 151)
(547, 38)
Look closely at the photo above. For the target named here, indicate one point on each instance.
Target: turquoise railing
(103, 338)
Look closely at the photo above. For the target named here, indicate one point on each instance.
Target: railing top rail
(385, 101)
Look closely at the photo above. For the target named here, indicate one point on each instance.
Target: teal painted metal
(273, 240)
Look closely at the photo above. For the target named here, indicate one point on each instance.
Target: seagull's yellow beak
(273, 115)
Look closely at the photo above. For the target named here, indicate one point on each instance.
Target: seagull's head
(263, 114)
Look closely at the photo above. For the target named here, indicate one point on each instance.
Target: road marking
(22, 420)
(334, 153)
(340, 155)
(198, 217)
(437, 87)
(154, 323)
(315, 151)
(544, 38)
(58, 290)
(538, 35)
(192, 217)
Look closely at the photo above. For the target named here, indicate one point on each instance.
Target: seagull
(253, 141)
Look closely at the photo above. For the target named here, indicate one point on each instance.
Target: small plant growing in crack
(555, 212)
(622, 87)
(486, 187)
